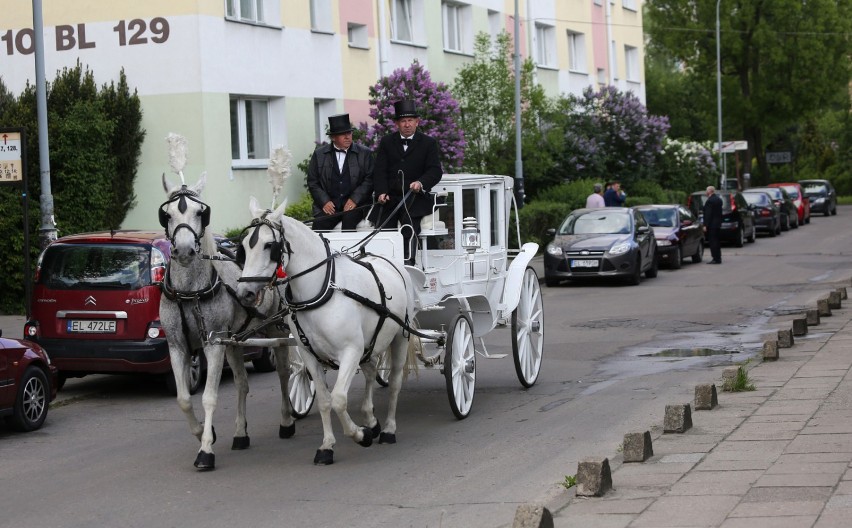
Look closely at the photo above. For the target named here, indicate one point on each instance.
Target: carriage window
(469, 207)
(447, 215)
(495, 218)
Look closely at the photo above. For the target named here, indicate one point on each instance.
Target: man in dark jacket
(340, 178)
(406, 160)
(713, 223)
(614, 196)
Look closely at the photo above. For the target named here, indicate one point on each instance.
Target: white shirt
(341, 158)
(409, 138)
(595, 200)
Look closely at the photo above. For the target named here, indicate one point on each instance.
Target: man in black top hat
(406, 160)
(340, 178)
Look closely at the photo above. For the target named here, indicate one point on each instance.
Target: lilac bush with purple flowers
(435, 104)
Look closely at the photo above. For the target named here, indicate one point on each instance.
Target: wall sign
(133, 32)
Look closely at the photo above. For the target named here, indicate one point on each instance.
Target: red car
(27, 383)
(802, 202)
(96, 307)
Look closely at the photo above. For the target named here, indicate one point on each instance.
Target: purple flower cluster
(436, 106)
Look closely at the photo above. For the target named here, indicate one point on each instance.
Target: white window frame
(602, 77)
(246, 159)
(544, 48)
(321, 16)
(452, 24)
(357, 36)
(576, 52)
(245, 10)
(495, 25)
(631, 63)
(613, 48)
(407, 17)
(630, 5)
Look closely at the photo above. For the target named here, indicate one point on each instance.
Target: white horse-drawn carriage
(354, 304)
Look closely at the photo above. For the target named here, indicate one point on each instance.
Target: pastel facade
(240, 77)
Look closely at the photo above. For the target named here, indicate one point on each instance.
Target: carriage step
(494, 356)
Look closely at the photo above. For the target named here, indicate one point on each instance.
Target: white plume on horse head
(279, 170)
(177, 153)
(171, 188)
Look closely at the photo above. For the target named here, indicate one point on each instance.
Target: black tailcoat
(421, 162)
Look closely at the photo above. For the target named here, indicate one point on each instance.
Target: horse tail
(414, 349)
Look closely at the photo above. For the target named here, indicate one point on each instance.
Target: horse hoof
(287, 432)
(324, 457)
(377, 429)
(241, 442)
(205, 461)
(367, 441)
(387, 438)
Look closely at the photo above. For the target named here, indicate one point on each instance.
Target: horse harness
(278, 248)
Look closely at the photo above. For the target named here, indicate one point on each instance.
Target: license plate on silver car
(584, 263)
(90, 326)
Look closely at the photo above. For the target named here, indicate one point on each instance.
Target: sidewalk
(779, 456)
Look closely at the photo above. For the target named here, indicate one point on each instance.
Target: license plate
(584, 263)
(90, 327)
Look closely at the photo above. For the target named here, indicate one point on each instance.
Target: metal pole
(519, 163)
(719, 96)
(48, 226)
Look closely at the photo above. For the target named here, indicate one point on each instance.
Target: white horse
(199, 298)
(341, 331)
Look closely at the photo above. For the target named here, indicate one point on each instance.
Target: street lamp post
(719, 96)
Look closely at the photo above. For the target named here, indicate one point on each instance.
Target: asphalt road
(117, 450)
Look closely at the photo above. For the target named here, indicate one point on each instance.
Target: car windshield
(596, 222)
(774, 192)
(815, 189)
(95, 266)
(756, 198)
(792, 192)
(660, 217)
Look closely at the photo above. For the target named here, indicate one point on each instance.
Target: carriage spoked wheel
(301, 385)
(528, 330)
(460, 366)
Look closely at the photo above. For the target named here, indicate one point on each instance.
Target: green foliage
(739, 383)
(569, 482)
(539, 216)
(301, 210)
(95, 142)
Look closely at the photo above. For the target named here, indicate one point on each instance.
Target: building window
(249, 129)
(357, 35)
(629, 4)
(321, 16)
(602, 77)
(245, 10)
(544, 45)
(495, 26)
(576, 51)
(452, 26)
(631, 63)
(322, 109)
(403, 30)
(614, 64)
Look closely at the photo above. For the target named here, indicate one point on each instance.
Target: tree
(485, 90)
(435, 104)
(780, 60)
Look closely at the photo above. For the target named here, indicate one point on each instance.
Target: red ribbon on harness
(280, 273)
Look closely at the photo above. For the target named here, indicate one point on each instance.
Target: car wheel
(32, 401)
(699, 253)
(266, 361)
(677, 259)
(795, 224)
(197, 374)
(740, 240)
(834, 210)
(785, 223)
(753, 236)
(651, 272)
(808, 219)
(774, 230)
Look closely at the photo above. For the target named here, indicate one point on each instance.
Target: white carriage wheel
(528, 330)
(383, 368)
(460, 366)
(301, 385)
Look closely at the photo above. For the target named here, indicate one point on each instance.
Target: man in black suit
(713, 223)
(406, 160)
(340, 178)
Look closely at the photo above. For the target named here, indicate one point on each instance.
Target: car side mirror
(686, 223)
(550, 232)
(642, 229)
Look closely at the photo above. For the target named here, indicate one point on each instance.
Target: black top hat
(339, 124)
(405, 108)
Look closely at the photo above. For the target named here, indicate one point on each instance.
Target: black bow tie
(406, 141)
(339, 150)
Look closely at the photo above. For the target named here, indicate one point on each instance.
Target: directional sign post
(13, 172)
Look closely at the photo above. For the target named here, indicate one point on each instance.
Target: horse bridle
(181, 196)
(279, 247)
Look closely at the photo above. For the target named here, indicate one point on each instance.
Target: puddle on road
(689, 352)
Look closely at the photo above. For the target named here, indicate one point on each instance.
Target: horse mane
(208, 243)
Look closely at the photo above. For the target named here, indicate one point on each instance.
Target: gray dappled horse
(199, 298)
(322, 291)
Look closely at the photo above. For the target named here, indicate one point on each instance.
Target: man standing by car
(713, 223)
(596, 198)
(406, 160)
(614, 196)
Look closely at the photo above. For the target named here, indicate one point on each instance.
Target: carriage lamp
(470, 235)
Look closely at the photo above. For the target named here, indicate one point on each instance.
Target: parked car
(767, 217)
(822, 195)
(678, 232)
(95, 307)
(802, 202)
(737, 218)
(611, 242)
(789, 213)
(28, 383)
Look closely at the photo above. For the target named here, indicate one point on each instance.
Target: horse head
(184, 217)
(261, 252)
